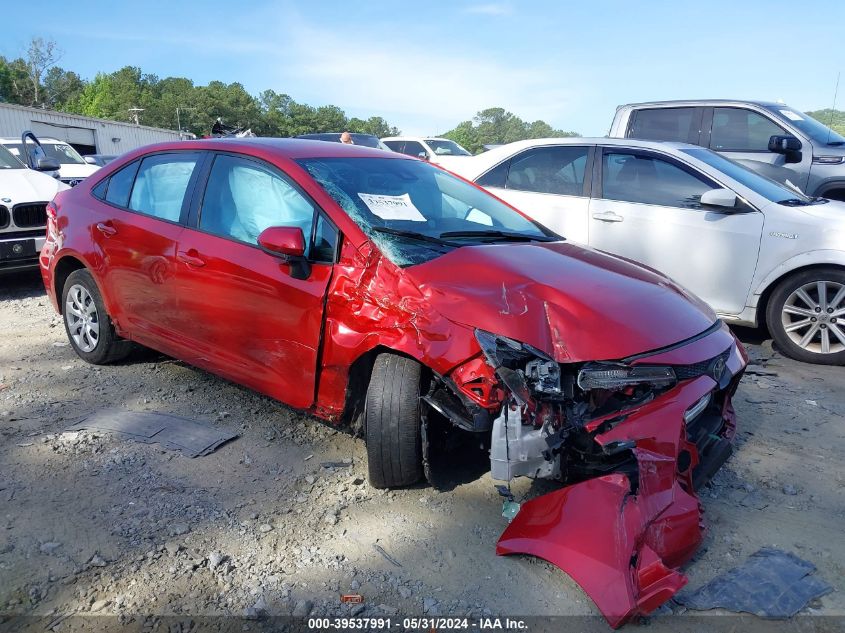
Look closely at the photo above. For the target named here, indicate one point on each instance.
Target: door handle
(191, 260)
(106, 229)
(608, 216)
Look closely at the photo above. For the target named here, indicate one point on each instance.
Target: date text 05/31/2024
(427, 624)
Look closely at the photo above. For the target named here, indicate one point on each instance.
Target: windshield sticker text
(789, 114)
(392, 207)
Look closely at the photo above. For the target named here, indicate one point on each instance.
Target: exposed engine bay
(630, 440)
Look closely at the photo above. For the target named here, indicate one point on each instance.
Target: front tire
(806, 316)
(392, 422)
(89, 327)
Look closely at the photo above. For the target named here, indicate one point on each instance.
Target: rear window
(120, 184)
(666, 124)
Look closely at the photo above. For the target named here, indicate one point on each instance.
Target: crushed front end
(631, 440)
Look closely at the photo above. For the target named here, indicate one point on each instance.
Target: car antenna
(833, 109)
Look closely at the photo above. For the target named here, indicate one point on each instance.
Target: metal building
(86, 134)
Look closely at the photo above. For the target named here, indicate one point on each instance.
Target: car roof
(474, 166)
(699, 102)
(292, 148)
(415, 138)
(45, 139)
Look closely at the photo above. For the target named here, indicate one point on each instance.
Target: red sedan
(377, 290)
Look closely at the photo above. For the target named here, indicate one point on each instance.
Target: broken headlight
(612, 376)
(503, 351)
(521, 367)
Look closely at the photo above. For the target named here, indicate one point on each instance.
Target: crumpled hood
(27, 185)
(572, 302)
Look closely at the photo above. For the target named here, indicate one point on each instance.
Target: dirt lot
(93, 523)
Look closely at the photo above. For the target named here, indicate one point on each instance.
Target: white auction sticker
(392, 207)
(792, 116)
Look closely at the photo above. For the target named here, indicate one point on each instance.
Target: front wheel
(88, 326)
(806, 316)
(392, 421)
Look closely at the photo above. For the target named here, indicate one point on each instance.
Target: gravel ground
(90, 523)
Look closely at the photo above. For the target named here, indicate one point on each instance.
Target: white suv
(442, 151)
(72, 167)
(24, 194)
(757, 251)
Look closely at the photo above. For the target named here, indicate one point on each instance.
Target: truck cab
(773, 139)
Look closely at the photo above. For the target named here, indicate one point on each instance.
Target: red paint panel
(623, 545)
(245, 317)
(574, 303)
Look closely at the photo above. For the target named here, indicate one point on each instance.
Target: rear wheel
(806, 316)
(392, 419)
(88, 326)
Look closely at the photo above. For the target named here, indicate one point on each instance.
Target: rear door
(136, 227)
(743, 135)
(550, 184)
(248, 315)
(647, 208)
(682, 124)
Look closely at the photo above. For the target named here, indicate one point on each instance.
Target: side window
(325, 241)
(396, 146)
(413, 148)
(244, 197)
(647, 180)
(161, 185)
(666, 124)
(739, 130)
(496, 177)
(120, 185)
(559, 170)
(99, 190)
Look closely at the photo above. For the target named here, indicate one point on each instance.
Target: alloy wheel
(813, 317)
(83, 321)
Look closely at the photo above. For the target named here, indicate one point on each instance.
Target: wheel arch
(62, 270)
(774, 280)
(360, 371)
(835, 186)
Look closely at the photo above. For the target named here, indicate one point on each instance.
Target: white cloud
(418, 88)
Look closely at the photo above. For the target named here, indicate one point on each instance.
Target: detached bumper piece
(622, 536)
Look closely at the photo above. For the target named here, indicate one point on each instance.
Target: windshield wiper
(414, 235)
(502, 235)
(793, 202)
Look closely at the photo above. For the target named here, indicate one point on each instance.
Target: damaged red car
(377, 290)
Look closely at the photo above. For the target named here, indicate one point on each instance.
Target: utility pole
(179, 120)
(134, 112)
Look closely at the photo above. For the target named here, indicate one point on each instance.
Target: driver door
(247, 316)
(647, 208)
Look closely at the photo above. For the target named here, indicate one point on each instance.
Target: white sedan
(757, 251)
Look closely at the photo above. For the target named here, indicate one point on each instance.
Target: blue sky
(426, 66)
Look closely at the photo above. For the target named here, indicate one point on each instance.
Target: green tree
(835, 119)
(61, 86)
(497, 126)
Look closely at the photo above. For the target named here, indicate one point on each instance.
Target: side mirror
(45, 163)
(283, 240)
(90, 160)
(724, 198)
(423, 155)
(784, 144)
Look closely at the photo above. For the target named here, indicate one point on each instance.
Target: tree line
(35, 79)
